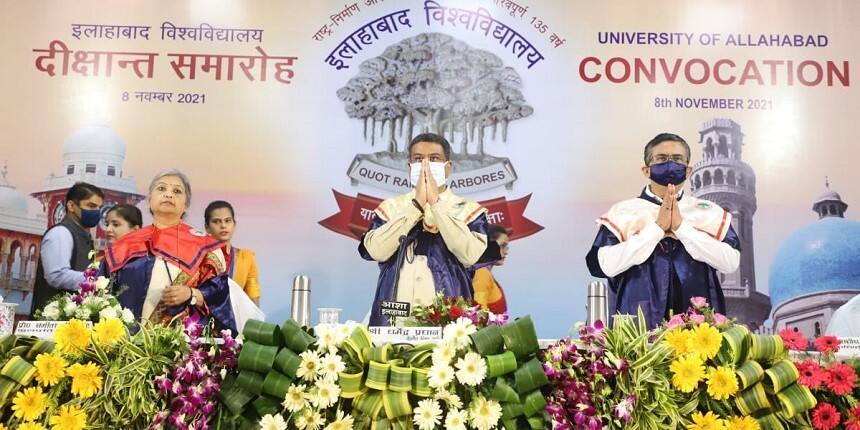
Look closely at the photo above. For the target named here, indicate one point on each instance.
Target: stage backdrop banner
(300, 114)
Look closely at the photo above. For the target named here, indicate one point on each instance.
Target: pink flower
(719, 319)
(793, 339)
(699, 302)
(677, 320)
(811, 374)
(624, 408)
(498, 319)
(825, 417)
(842, 379)
(191, 325)
(825, 344)
(697, 318)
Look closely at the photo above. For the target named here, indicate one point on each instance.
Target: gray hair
(174, 172)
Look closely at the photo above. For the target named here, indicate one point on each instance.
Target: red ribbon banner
(356, 214)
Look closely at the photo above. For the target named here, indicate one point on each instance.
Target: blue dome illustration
(823, 255)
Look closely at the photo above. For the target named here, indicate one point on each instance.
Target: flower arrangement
(833, 382)
(738, 380)
(98, 378)
(445, 310)
(192, 386)
(697, 371)
(92, 302)
(613, 378)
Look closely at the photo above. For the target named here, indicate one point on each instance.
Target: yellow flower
(678, 340)
(722, 383)
(86, 380)
(705, 341)
(49, 369)
(2, 427)
(742, 423)
(69, 418)
(687, 371)
(72, 337)
(708, 421)
(29, 403)
(31, 426)
(108, 331)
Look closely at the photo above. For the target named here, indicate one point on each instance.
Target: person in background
(121, 220)
(66, 247)
(488, 292)
(220, 220)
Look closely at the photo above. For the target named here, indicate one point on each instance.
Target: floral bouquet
(92, 302)
(445, 310)
(96, 377)
(286, 376)
(738, 380)
(191, 388)
(834, 383)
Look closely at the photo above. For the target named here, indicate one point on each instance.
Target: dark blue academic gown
(665, 282)
(449, 275)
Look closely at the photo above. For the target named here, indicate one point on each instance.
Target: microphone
(401, 253)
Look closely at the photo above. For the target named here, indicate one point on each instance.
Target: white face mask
(437, 169)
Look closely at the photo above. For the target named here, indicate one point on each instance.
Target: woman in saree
(169, 269)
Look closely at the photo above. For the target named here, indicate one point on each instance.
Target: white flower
(471, 369)
(485, 413)
(127, 315)
(332, 365)
(457, 333)
(295, 399)
(270, 422)
(310, 366)
(326, 395)
(313, 420)
(456, 420)
(82, 313)
(107, 313)
(443, 353)
(89, 301)
(345, 330)
(51, 311)
(69, 308)
(440, 375)
(301, 421)
(450, 398)
(341, 422)
(102, 283)
(427, 414)
(326, 338)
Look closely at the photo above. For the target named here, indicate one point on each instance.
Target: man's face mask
(90, 217)
(668, 172)
(437, 169)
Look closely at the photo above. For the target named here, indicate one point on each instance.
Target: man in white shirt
(663, 248)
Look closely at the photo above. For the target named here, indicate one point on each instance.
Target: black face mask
(668, 172)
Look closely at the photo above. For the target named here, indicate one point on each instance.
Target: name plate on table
(41, 329)
(849, 346)
(410, 335)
